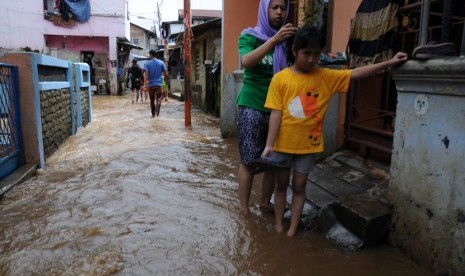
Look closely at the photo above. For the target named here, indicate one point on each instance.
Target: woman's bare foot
(245, 211)
(279, 228)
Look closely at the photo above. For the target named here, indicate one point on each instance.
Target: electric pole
(159, 20)
(187, 62)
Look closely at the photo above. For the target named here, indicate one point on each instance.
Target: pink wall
(78, 43)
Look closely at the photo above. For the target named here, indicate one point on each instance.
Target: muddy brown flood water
(135, 195)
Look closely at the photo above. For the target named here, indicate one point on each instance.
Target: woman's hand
(284, 33)
(251, 59)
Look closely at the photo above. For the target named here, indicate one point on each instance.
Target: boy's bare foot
(290, 233)
(279, 228)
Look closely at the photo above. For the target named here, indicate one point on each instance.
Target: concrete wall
(427, 186)
(27, 100)
(237, 15)
(83, 94)
(49, 102)
(177, 86)
(228, 113)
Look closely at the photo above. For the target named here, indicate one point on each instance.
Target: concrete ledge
(17, 177)
(176, 95)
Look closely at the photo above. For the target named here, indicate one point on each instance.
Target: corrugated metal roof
(126, 42)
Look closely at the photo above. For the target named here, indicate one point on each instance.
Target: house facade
(141, 37)
(99, 38)
(170, 29)
(205, 54)
(205, 62)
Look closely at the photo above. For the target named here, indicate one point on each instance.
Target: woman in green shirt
(262, 52)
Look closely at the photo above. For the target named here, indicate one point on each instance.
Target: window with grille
(442, 23)
(136, 41)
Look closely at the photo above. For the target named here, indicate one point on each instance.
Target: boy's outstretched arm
(273, 128)
(372, 69)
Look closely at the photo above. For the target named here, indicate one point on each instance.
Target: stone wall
(85, 106)
(75, 112)
(56, 118)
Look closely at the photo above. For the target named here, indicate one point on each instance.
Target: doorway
(88, 57)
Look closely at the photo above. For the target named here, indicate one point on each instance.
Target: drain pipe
(424, 19)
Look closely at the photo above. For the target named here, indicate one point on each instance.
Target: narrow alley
(136, 195)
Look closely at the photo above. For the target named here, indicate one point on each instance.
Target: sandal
(270, 163)
(434, 50)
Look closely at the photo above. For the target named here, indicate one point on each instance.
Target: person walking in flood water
(154, 70)
(298, 98)
(136, 78)
(262, 52)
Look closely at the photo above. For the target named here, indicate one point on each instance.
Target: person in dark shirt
(136, 77)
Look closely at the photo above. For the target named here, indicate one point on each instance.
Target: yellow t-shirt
(303, 99)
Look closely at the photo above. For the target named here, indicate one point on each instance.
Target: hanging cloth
(56, 7)
(64, 11)
(80, 9)
(373, 32)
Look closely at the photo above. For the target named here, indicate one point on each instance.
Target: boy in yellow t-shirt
(298, 97)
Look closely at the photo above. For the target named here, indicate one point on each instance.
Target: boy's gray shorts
(302, 163)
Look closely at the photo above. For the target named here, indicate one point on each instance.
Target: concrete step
(18, 176)
(351, 193)
(366, 217)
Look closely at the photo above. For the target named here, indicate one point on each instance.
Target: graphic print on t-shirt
(304, 106)
(267, 60)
